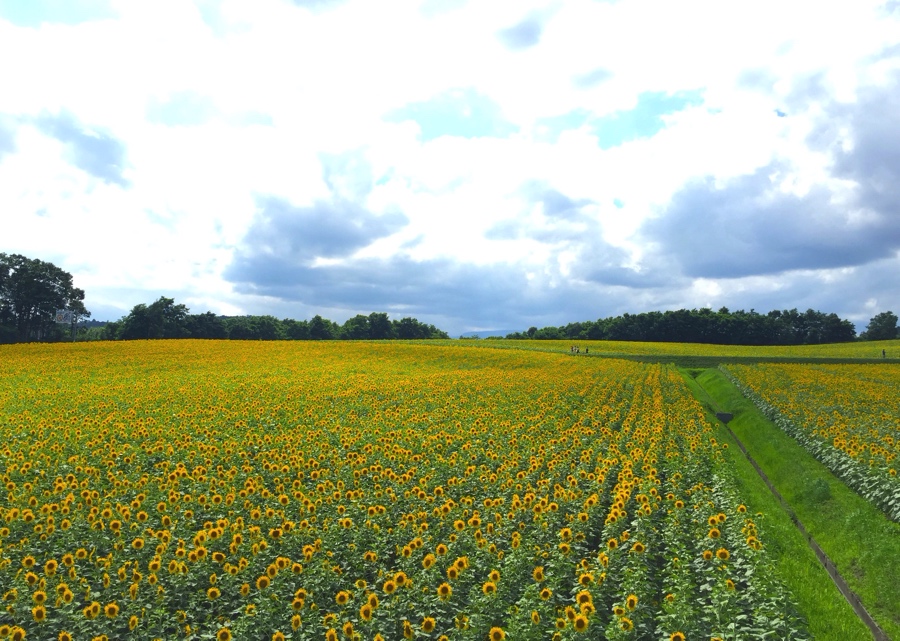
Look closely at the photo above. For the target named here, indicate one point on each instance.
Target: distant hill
(488, 332)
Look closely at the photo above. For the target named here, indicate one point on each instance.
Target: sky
(476, 165)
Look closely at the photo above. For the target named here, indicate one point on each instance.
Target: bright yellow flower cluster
(194, 489)
(845, 415)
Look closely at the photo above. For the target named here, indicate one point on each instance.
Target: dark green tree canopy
(166, 319)
(161, 319)
(31, 291)
(881, 327)
(724, 327)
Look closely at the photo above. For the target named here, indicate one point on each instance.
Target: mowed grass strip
(819, 601)
(859, 539)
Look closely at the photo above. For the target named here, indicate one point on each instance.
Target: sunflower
(535, 617)
(213, 593)
(583, 597)
(428, 561)
(626, 624)
(546, 593)
(365, 612)
(707, 555)
(348, 629)
(497, 634)
(39, 613)
(722, 554)
(580, 623)
(612, 544)
(538, 574)
(389, 586)
(631, 602)
(296, 622)
(428, 624)
(489, 587)
(342, 597)
(676, 636)
(714, 533)
(278, 636)
(444, 591)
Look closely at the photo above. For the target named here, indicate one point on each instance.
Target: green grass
(859, 539)
(818, 600)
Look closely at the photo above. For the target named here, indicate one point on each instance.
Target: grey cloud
(554, 203)
(458, 296)
(807, 91)
(324, 230)
(95, 152)
(750, 227)
(592, 78)
(873, 160)
(523, 35)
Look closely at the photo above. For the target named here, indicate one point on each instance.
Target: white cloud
(284, 85)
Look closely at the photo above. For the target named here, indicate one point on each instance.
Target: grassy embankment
(863, 544)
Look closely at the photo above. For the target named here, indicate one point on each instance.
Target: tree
(206, 325)
(161, 319)
(356, 328)
(31, 291)
(380, 326)
(321, 329)
(881, 327)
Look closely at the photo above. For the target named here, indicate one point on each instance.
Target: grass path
(819, 601)
(862, 542)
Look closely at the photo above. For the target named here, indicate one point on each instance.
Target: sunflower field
(847, 416)
(247, 490)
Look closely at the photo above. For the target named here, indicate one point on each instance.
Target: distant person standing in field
(883, 354)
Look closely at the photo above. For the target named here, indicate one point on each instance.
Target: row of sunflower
(200, 490)
(847, 416)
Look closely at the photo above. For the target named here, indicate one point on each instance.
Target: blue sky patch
(183, 108)
(462, 113)
(645, 120)
(33, 13)
(548, 129)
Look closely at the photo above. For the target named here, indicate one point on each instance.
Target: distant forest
(788, 327)
(166, 319)
(35, 294)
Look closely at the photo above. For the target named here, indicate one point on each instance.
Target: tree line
(778, 327)
(32, 291)
(166, 319)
